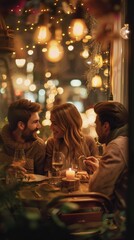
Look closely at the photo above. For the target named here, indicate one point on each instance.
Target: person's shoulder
(119, 140)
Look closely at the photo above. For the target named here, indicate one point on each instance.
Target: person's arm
(91, 164)
(111, 164)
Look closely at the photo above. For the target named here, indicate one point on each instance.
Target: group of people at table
(109, 171)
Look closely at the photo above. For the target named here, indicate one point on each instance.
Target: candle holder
(70, 185)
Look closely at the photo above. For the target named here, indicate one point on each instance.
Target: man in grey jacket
(111, 172)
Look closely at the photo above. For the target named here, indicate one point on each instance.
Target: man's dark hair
(113, 112)
(21, 110)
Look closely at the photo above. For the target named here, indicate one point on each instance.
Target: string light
(54, 22)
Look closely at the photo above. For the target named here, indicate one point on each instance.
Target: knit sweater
(34, 149)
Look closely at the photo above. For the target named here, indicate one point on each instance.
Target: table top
(44, 191)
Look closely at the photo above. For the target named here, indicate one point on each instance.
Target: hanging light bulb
(124, 32)
(96, 81)
(54, 52)
(42, 35)
(78, 29)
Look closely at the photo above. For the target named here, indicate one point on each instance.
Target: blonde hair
(69, 120)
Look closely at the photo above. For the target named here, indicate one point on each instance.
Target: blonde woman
(66, 126)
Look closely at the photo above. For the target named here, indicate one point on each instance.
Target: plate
(34, 178)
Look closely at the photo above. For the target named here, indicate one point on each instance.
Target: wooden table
(39, 194)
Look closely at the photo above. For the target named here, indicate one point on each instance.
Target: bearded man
(21, 133)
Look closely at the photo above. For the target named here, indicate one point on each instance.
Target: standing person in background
(66, 125)
(21, 133)
(111, 172)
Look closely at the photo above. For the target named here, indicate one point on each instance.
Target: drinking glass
(19, 161)
(19, 157)
(57, 161)
(15, 172)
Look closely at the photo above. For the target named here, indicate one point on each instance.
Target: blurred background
(49, 54)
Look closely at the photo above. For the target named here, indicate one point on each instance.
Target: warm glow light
(42, 35)
(19, 80)
(88, 37)
(98, 60)
(27, 82)
(70, 174)
(96, 81)
(30, 66)
(30, 52)
(47, 74)
(106, 72)
(75, 82)
(4, 76)
(91, 115)
(70, 47)
(55, 51)
(78, 29)
(20, 62)
(46, 122)
(60, 90)
(44, 49)
(32, 87)
(85, 53)
(42, 92)
(47, 114)
(4, 85)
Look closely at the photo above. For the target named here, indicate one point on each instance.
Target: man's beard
(29, 136)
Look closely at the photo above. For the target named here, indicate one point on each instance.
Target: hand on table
(17, 167)
(91, 163)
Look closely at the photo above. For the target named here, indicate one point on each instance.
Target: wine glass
(57, 161)
(19, 162)
(17, 168)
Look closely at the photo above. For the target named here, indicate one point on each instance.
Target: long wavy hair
(69, 120)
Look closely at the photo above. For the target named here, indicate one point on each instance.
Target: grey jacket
(112, 176)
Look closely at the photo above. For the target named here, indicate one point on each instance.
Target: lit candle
(70, 174)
